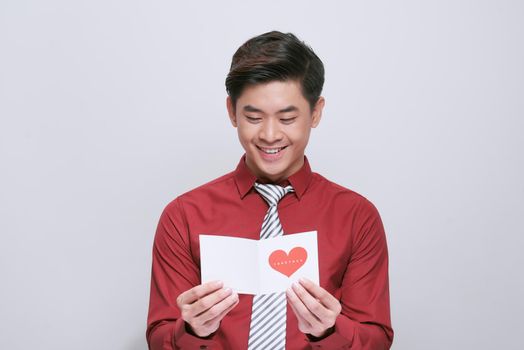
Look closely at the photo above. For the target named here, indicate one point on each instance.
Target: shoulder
(362, 215)
(337, 191)
(209, 191)
(343, 197)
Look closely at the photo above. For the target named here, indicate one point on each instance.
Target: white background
(109, 109)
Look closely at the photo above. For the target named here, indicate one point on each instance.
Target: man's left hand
(316, 309)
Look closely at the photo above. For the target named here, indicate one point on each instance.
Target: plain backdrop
(110, 109)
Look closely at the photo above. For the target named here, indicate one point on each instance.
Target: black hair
(275, 56)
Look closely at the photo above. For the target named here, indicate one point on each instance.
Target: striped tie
(268, 316)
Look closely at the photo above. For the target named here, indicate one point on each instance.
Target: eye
(288, 120)
(253, 119)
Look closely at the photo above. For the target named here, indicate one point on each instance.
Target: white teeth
(272, 151)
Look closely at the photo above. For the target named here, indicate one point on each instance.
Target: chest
(333, 225)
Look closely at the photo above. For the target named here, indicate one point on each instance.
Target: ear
(231, 111)
(317, 112)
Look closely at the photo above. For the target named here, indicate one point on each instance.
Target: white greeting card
(259, 266)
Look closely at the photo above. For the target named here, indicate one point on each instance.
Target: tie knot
(272, 193)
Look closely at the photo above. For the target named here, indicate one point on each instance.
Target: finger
(195, 293)
(300, 308)
(229, 303)
(311, 303)
(328, 300)
(209, 301)
(300, 319)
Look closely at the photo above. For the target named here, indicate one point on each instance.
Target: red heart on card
(288, 264)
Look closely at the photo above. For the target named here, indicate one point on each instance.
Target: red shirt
(352, 253)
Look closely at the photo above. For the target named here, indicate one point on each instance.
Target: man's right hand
(204, 306)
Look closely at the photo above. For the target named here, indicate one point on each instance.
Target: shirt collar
(245, 179)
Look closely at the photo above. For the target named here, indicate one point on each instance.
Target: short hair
(275, 56)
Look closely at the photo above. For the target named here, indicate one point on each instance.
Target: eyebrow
(249, 108)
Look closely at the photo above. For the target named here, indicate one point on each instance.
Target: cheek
(245, 133)
(299, 136)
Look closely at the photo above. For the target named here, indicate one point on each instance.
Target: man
(274, 87)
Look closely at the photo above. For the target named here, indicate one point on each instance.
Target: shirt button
(203, 346)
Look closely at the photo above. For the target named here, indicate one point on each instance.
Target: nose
(270, 131)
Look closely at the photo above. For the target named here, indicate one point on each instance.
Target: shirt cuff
(341, 337)
(185, 340)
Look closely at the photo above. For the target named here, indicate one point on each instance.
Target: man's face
(274, 121)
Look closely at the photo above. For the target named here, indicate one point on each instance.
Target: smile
(271, 150)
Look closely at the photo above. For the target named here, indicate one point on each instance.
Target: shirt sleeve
(173, 272)
(364, 323)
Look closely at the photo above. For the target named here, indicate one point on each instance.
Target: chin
(266, 172)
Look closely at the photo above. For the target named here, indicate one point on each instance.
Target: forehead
(273, 96)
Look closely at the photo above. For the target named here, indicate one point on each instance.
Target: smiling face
(274, 121)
